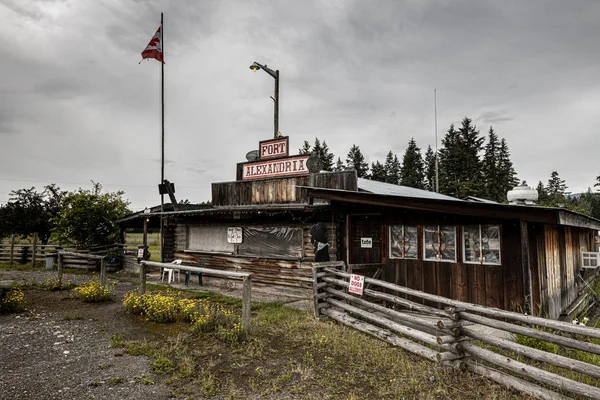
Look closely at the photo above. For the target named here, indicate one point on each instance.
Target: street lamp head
(255, 67)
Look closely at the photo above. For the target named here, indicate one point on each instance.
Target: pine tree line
(467, 164)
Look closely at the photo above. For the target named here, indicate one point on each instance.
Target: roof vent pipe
(522, 195)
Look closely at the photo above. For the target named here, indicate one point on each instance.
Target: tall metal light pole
(437, 181)
(275, 74)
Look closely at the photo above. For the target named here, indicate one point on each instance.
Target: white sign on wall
(357, 283)
(234, 235)
(366, 243)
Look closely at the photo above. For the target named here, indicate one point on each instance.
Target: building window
(481, 244)
(439, 243)
(403, 242)
(271, 242)
(211, 239)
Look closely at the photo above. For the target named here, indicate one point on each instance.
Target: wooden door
(365, 231)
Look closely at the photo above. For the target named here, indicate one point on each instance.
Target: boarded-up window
(439, 243)
(403, 241)
(481, 244)
(272, 242)
(209, 238)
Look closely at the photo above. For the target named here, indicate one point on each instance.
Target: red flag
(154, 48)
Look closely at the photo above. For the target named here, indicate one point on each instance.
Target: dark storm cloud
(352, 72)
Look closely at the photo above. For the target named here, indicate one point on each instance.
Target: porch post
(525, 264)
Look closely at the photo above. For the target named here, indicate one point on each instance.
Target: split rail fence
(245, 277)
(465, 335)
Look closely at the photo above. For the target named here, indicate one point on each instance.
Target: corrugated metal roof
(480, 200)
(383, 188)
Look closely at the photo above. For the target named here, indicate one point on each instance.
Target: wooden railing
(62, 254)
(246, 283)
(463, 335)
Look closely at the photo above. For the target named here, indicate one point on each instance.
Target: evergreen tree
(597, 184)
(327, 158)
(392, 168)
(429, 181)
(339, 165)
(450, 162)
(556, 188)
(470, 177)
(306, 149)
(321, 151)
(542, 194)
(378, 172)
(356, 160)
(507, 174)
(494, 187)
(412, 172)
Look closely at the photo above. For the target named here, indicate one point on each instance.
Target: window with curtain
(481, 244)
(403, 242)
(272, 242)
(439, 243)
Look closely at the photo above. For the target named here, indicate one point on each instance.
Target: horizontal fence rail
(466, 335)
(246, 283)
(62, 254)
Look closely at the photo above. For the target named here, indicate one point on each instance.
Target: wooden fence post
(12, 248)
(142, 288)
(102, 272)
(453, 351)
(35, 239)
(246, 302)
(60, 267)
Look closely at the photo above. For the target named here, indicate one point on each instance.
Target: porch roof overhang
(228, 209)
(545, 215)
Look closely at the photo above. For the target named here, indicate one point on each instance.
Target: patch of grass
(218, 298)
(5, 266)
(290, 354)
(104, 366)
(74, 317)
(162, 365)
(53, 284)
(116, 380)
(144, 380)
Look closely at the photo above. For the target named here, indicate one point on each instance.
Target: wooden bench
(188, 274)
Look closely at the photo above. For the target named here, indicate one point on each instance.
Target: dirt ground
(60, 346)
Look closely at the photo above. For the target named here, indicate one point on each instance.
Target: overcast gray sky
(76, 106)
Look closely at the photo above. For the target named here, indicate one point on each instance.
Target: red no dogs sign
(357, 283)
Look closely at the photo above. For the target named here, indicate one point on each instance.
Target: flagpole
(162, 158)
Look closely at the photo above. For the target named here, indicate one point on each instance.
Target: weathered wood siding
(490, 285)
(278, 272)
(552, 271)
(279, 190)
(558, 265)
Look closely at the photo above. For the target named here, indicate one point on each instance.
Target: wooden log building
(514, 257)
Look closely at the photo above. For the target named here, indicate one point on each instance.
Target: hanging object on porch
(318, 232)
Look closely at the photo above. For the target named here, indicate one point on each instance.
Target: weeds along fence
(245, 277)
(563, 361)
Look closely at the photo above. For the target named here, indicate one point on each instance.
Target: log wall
(279, 272)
